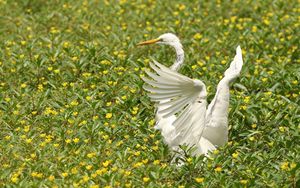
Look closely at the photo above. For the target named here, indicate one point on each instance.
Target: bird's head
(167, 38)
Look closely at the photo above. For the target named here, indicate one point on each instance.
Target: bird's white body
(182, 114)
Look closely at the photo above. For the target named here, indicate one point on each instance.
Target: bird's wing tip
(238, 49)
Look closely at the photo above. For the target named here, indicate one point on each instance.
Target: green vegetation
(73, 112)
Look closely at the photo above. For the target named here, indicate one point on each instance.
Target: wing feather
(174, 109)
(162, 97)
(167, 104)
(217, 111)
(177, 96)
(156, 84)
(158, 90)
(159, 79)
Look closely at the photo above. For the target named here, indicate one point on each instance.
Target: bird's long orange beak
(148, 42)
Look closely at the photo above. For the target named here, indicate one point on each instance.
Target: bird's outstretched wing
(235, 66)
(180, 97)
(217, 111)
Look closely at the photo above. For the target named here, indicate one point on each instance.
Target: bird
(182, 114)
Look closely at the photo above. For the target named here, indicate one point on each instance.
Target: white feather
(180, 102)
(217, 112)
(181, 114)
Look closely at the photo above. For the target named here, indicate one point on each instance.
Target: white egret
(182, 114)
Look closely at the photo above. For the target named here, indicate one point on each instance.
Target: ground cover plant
(73, 112)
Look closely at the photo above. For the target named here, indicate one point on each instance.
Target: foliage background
(73, 111)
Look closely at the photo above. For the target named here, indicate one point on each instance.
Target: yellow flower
(74, 170)
(106, 163)
(254, 29)
(7, 137)
(28, 141)
(14, 179)
(284, 165)
(91, 155)
(189, 160)
(108, 115)
(271, 144)
(85, 26)
(23, 85)
(281, 129)
(199, 180)
(235, 155)
(266, 21)
(138, 164)
(51, 178)
(218, 169)
(247, 99)
(33, 155)
(145, 161)
(243, 181)
(89, 167)
(16, 112)
(293, 165)
(114, 169)
(155, 148)
(75, 58)
(76, 140)
(86, 178)
(151, 122)
(181, 7)
(127, 173)
(146, 179)
(65, 84)
(105, 137)
(56, 145)
(197, 36)
(66, 44)
(94, 186)
(74, 103)
(33, 174)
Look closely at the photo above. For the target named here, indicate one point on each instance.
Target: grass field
(73, 112)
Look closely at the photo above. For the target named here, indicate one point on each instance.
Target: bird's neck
(179, 56)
